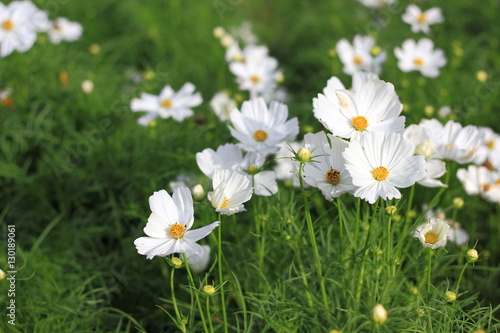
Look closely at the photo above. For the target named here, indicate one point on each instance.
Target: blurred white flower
(231, 190)
(434, 167)
(371, 106)
(64, 30)
(16, 30)
(169, 226)
(419, 20)
(358, 56)
(168, 104)
(222, 105)
(198, 262)
(433, 234)
(376, 3)
(452, 141)
(381, 162)
(261, 129)
(420, 56)
(38, 20)
(479, 180)
(489, 149)
(327, 170)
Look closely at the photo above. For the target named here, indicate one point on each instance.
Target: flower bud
(375, 51)
(176, 262)
(87, 86)
(379, 314)
(94, 49)
(219, 32)
(458, 203)
(209, 290)
(429, 110)
(2, 275)
(252, 169)
(198, 192)
(304, 154)
(472, 255)
(450, 296)
(335, 331)
(391, 210)
(425, 148)
(227, 40)
(481, 76)
(479, 331)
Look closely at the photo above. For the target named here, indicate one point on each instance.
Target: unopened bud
(391, 210)
(335, 331)
(252, 169)
(227, 40)
(198, 192)
(209, 290)
(2, 275)
(458, 203)
(425, 148)
(94, 49)
(219, 32)
(472, 255)
(176, 262)
(379, 314)
(429, 110)
(482, 76)
(450, 296)
(304, 154)
(375, 51)
(87, 86)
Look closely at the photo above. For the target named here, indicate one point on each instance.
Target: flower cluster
(20, 21)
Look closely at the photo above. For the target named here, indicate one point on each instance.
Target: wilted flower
(169, 226)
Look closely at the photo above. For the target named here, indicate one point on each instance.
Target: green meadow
(76, 172)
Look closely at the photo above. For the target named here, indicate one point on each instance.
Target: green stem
(310, 228)
(356, 223)
(180, 323)
(460, 277)
(207, 305)
(341, 231)
(410, 202)
(196, 296)
(221, 277)
(389, 242)
(304, 279)
(429, 270)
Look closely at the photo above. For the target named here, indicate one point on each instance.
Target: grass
(76, 171)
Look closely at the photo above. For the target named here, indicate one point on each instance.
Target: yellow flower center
(418, 62)
(357, 60)
(486, 187)
(260, 135)
(7, 25)
(177, 231)
(422, 18)
(431, 237)
(166, 103)
(490, 144)
(332, 176)
(224, 203)
(360, 123)
(255, 79)
(449, 145)
(380, 173)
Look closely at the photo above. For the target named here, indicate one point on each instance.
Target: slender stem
(460, 277)
(304, 279)
(310, 228)
(209, 316)
(356, 224)
(341, 227)
(196, 296)
(429, 270)
(221, 277)
(410, 202)
(389, 242)
(180, 324)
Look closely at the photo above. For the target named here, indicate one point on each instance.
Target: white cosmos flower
(168, 104)
(38, 20)
(261, 129)
(371, 106)
(434, 167)
(419, 20)
(358, 57)
(169, 226)
(479, 180)
(16, 30)
(327, 169)
(64, 30)
(489, 150)
(433, 234)
(455, 234)
(229, 156)
(381, 162)
(222, 105)
(231, 190)
(420, 56)
(452, 141)
(256, 72)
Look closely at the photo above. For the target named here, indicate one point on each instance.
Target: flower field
(249, 166)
